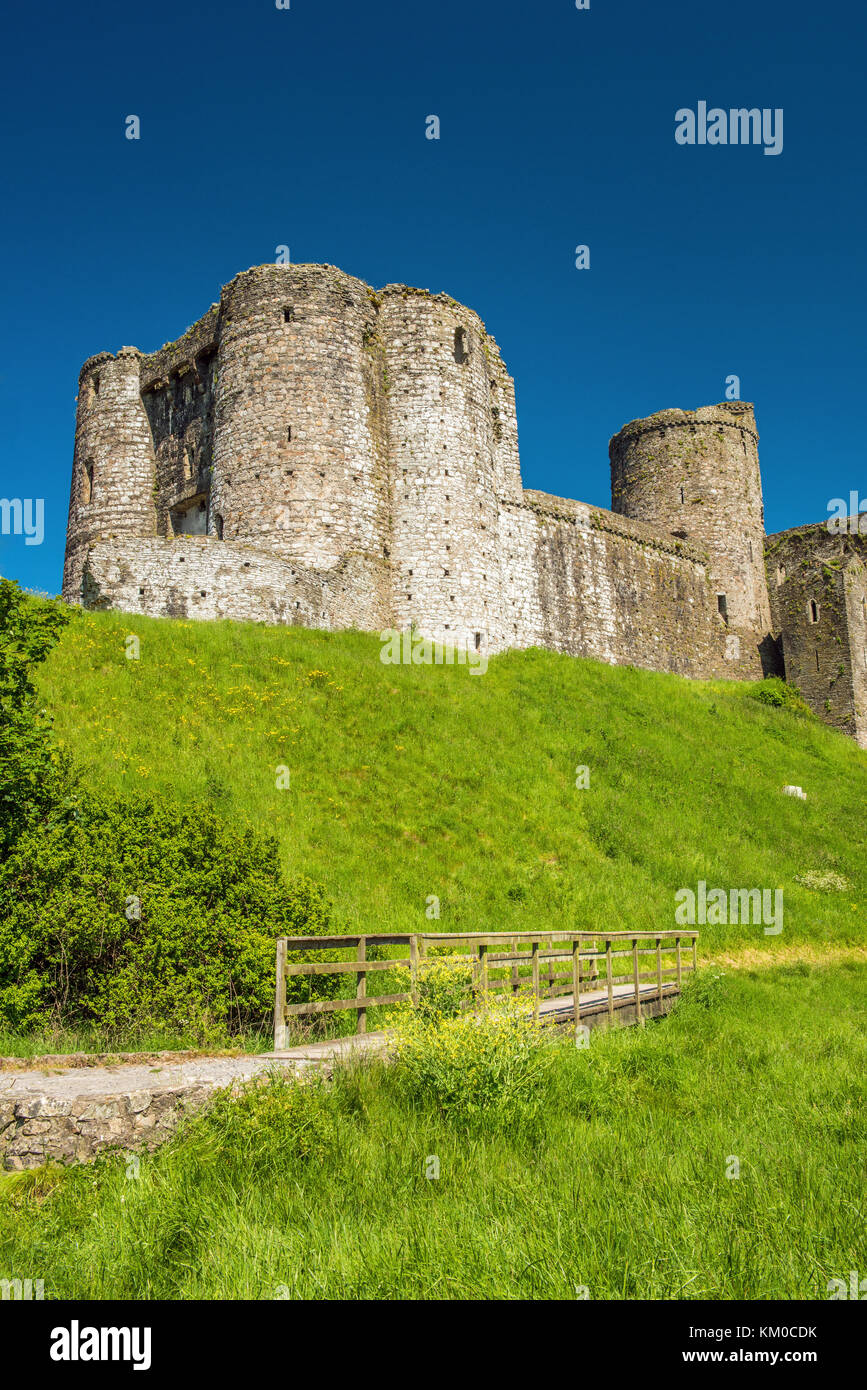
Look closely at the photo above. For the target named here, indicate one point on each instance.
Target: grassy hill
(726, 1141)
(408, 783)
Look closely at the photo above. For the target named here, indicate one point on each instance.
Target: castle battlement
(315, 451)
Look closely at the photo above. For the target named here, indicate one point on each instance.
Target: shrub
(780, 694)
(34, 776)
(472, 1064)
(706, 989)
(133, 912)
(262, 1128)
(443, 985)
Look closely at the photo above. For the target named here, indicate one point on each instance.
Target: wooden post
(413, 969)
(516, 979)
(694, 954)
(678, 963)
(361, 984)
(281, 1032)
(576, 983)
(535, 979)
(483, 971)
(477, 972)
(659, 969)
(635, 980)
(609, 967)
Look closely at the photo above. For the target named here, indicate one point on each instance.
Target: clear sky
(306, 127)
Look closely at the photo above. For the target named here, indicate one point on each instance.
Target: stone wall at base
(202, 578)
(37, 1129)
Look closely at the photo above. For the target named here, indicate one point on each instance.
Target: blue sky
(306, 127)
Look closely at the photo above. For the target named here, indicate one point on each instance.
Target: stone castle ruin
(316, 452)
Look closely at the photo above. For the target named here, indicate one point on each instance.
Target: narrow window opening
(87, 481)
(722, 607)
(814, 611)
(289, 434)
(478, 640)
(817, 658)
(461, 354)
(681, 495)
(94, 381)
(289, 314)
(218, 526)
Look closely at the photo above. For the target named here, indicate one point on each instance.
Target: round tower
(446, 458)
(299, 464)
(695, 475)
(112, 492)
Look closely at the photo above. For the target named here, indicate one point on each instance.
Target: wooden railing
(537, 954)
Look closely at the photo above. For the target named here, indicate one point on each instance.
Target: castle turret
(450, 454)
(695, 475)
(112, 492)
(298, 462)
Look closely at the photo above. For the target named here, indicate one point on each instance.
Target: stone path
(64, 1112)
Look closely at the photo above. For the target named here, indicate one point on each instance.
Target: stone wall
(818, 586)
(37, 1129)
(199, 577)
(590, 583)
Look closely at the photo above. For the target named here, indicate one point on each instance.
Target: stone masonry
(316, 452)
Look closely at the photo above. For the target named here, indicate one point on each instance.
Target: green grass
(153, 1039)
(412, 782)
(621, 1187)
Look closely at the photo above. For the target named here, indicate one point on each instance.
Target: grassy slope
(408, 782)
(624, 1185)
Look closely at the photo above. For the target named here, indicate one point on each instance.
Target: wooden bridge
(572, 977)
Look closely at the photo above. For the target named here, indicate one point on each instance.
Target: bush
(472, 1064)
(135, 912)
(35, 778)
(780, 694)
(706, 989)
(443, 985)
(260, 1129)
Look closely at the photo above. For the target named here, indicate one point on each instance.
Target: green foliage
(706, 989)
(260, 1129)
(621, 1184)
(133, 912)
(444, 985)
(780, 694)
(471, 1064)
(34, 776)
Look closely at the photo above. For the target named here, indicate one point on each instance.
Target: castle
(314, 452)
